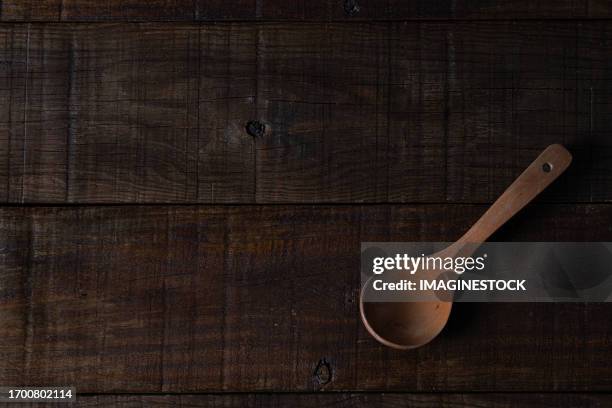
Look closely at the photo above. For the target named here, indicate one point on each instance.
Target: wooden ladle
(406, 325)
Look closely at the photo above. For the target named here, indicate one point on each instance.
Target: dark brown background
(153, 252)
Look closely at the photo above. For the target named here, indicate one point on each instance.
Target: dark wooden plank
(322, 93)
(313, 10)
(12, 111)
(264, 298)
(227, 96)
(397, 112)
(345, 400)
(15, 291)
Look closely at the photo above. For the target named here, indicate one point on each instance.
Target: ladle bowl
(404, 325)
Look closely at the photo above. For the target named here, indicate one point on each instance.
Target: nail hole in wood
(255, 128)
(351, 7)
(547, 167)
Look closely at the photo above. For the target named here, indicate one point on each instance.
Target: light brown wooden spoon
(406, 325)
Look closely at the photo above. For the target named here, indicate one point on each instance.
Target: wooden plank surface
(264, 298)
(374, 103)
(313, 10)
(352, 112)
(346, 400)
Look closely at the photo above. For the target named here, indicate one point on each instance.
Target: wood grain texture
(264, 298)
(353, 112)
(312, 10)
(345, 400)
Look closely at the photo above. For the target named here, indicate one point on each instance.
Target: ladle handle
(549, 165)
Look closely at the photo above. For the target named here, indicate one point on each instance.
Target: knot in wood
(323, 372)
